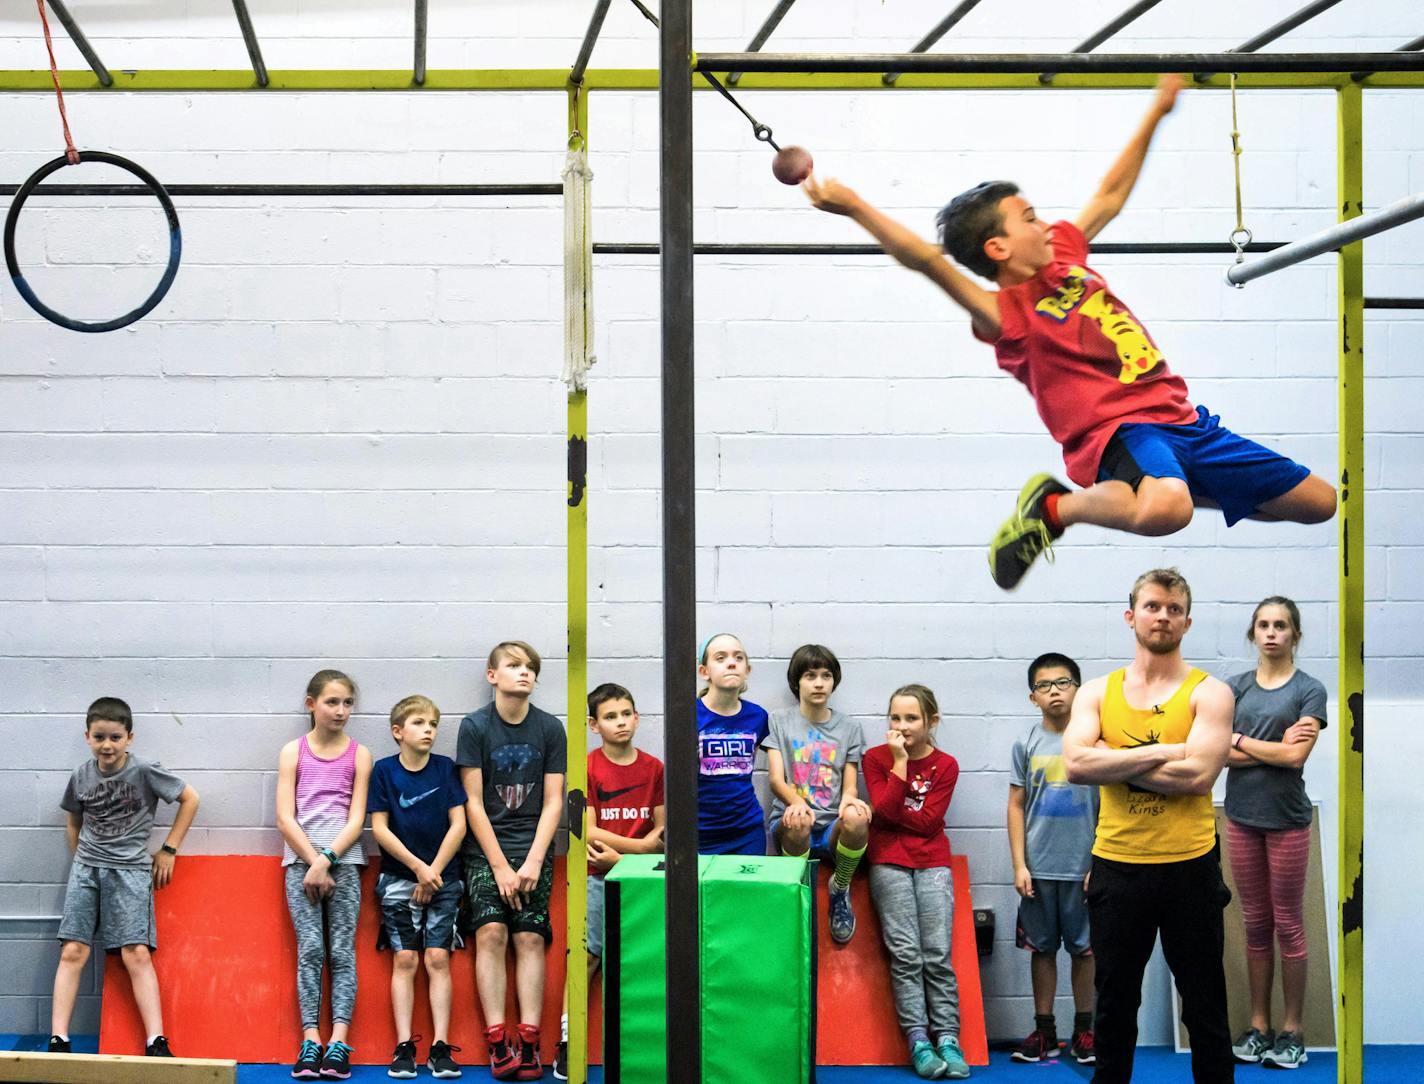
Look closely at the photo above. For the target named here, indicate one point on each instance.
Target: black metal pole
(1087, 45)
(1110, 248)
(595, 24)
(551, 189)
(1410, 46)
(422, 25)
(684, 1011)
(759, 39)
(1394, 302)
(81, 42)
(1063, 63)
(943, 27)
(249, 37)
(1271, 33)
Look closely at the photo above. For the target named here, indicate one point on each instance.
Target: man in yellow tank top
(1154, 736)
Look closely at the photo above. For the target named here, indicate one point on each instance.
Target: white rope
(578, 272)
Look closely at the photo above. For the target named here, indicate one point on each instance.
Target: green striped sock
(846, 861)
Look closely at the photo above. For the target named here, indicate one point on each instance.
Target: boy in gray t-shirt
(110, 801)
(1052, 823)
(813, 758)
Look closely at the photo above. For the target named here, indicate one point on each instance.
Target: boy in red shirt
(626, 815)
(1145, 455)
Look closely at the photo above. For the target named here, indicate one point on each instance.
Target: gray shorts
(109, 908)
(596, 891)
(1056, 915)
(407, 925)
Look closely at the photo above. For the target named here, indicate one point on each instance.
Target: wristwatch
(169, 849)
(329, 855)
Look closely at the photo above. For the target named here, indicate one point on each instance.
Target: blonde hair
(413, 705)
(1167, 578)
(925, 698)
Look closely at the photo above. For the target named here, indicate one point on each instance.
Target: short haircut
(1275, 600)
(1167, 578)
(414, 705)
(604, 693)
(109, 709)
(812, 657)
(969, 220)
(504, 647)
(1047, 661)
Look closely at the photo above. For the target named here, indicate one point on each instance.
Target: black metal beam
(1394, 302)
(1410, 46)
(679, 486)
(755, 248)
(81, 42)
(759, 39)
(1271, 33)
(554, 189)
(1088, 44)
(249, 37)
(1065, 63)
(422, 21)
(941, 28)
(585, 54)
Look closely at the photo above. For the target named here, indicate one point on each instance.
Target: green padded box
(757, 970)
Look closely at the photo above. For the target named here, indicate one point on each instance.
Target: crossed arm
(1291, 751)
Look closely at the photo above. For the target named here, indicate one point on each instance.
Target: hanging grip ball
(792, 165)
(175, 244)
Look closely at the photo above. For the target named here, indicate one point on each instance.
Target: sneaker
(842, 915)
(530, 1067)
(403, 1061)
(308, 1064)
(58, 1045)
(1024, 535)
(955, 1067)
(1288, 1052)
(441, 1065)
(503, 1055)
(1082, 1047)
(561, 1062)
(158, 1048)
(336, 1062)
(925, 1061)
(1252, 1045)
(1039, 1045)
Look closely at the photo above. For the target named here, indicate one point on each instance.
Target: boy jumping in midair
(1131, 437)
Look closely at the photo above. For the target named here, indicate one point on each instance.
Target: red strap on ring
(69, 150)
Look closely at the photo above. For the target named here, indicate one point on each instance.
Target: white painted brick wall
(340, 440)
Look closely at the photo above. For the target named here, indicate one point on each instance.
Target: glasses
(1056, 683)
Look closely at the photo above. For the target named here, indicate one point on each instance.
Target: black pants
(1128, 904)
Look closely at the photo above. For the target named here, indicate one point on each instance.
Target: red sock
(1050, 514)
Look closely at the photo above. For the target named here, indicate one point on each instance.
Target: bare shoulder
(1212, 692)
(289, 752)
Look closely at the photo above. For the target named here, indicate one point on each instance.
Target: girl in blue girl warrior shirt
(729, 730)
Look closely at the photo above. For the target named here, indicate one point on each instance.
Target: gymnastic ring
(175, 244)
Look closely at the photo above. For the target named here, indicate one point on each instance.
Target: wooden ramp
(35, 1068)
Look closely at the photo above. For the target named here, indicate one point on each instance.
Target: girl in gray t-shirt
(1280, 712)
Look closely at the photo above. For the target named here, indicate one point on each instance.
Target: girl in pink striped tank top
(321, 810)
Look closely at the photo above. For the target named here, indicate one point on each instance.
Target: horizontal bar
(1394, 302)
(81, 42)
(184, 81)
(1327, 240)
(649, 248)
(554, 189)
(1036, 63)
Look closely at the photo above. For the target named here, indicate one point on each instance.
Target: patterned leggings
(338, 938)
(1269, 869)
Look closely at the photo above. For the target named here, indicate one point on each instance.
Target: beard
(1161, 643)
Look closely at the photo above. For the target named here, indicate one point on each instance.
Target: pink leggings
(1269, 870)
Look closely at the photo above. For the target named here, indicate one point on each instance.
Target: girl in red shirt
(910, 783)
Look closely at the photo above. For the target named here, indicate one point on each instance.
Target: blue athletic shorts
(1235, 474)
(407, 925)
(1056, 915)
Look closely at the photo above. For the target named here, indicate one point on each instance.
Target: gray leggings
(340, 910)
(916, 909)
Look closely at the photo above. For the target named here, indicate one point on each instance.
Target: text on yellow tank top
(1139, 825)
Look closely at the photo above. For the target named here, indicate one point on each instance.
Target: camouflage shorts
(485, 905)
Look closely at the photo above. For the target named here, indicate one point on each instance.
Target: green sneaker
(1288, 1052)
(955, 1067)
(926, 1062)
(1024, 535)
(1252, 1045)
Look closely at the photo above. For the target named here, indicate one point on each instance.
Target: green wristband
(329, 855)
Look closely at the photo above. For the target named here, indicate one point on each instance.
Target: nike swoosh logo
(608, 795)
(406, 803)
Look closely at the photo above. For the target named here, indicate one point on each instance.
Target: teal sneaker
(955, 1067)
(1252, 1045)
(926, 1062)
(1288, 1052)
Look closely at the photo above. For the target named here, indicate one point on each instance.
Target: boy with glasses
(1052, 823)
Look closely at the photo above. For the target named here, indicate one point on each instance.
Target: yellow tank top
(1142, 826)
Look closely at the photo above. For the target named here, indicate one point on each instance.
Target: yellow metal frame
(1349, 94)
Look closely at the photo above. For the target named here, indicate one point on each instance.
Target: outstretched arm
(1206, 747)
(1088, 761)
(1117, 185)
(912, 250)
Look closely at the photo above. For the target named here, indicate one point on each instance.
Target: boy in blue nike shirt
(417, 808)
